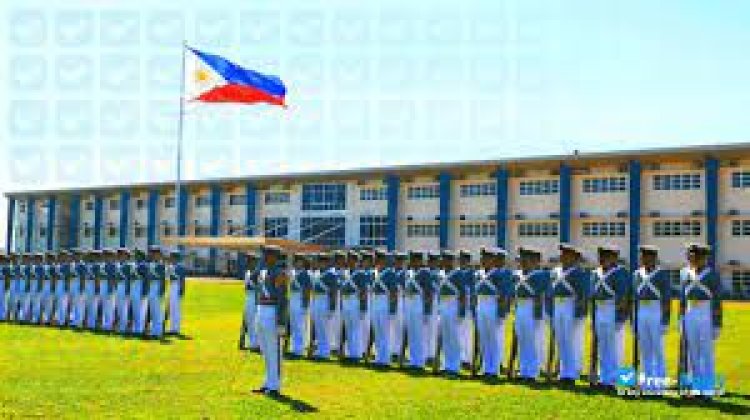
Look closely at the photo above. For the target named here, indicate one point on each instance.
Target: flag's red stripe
(241, 94)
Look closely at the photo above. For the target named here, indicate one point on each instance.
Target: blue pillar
(51, 210)
(9, 227)
(393, 186)
(153, 201)
(98, 207)
(182, 206)
(215, 221)
(501, 214)
(635, 212)
(712, 208)
(565, 202)
(30, 210)
(124, 217)
(445, 208)
(74, 226)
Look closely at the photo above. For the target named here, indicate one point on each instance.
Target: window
(111, 231)
(741, 227)
(42, 231)
(479, 190)
(741, 283)
(202, 201)
(88, 206)
(540, 187)
(741, 179)
(605, 185)
(168, 202)
(373, 194)
(538, 229)
(423, 192)
(22, 207)
(677, 182)
(329, 231)
(276, 227)
(677, 228)
(202, 230)
(237, 200)
(236, 230)
(167, 230)
(87, 232)
(140, 203)
(422, 231)
(478, 230)
(114, 204)
(324, 197)
(604, 229)
(276, 197)
(139, 232)
(372, 230)
(21, 231)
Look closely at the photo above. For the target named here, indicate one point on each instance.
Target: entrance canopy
(240, 243)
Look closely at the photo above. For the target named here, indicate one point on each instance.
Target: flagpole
(178, 180)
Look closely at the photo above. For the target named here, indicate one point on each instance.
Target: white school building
(663, 197)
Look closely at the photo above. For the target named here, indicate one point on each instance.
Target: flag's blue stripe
(238, 75)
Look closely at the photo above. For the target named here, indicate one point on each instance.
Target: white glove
(281, 331)
(716, 333)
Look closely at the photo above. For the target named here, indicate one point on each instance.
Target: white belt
(486, 298)
(648, 303)
(695, 304)
(563, 298)
(448, 298)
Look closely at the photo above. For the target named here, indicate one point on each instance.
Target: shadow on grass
(295, 404)
(721, 405)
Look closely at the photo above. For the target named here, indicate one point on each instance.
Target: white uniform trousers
(11, 299)
(62, 302)
(466, 332)
(397, 327)
(651, 344)
(35, 303)
(251, 309)
(107, 299)
(137, 306)
(564, 324)
(46, 301)
(268, 337)
(609, 342)
(381, 328)
(352, 318)
(491, 334)
(24, 304)
(175, 309)
(415, 330)
(335, 324)
(3, 300)
(297, 323)
(528, 337)
(321, 322)
(76, 304)
(700, 346)
(450, 333)
(122, 306)
(92, 305)
(156, 328)
(432, 323)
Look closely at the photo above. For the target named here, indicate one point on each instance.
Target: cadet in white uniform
(125, 272)
(273, 283)
(176, 276)
(397, 318)
(249, 336)
(531, 284)
(452, 304)
(299, 303)
(494, 291)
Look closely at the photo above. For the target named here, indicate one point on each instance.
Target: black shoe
(466, 365)
(273, 393)
(261, 390)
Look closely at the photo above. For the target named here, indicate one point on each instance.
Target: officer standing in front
(701, 304)
(249, 337)
(273, 282)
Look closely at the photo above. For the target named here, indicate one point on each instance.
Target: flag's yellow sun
(201, 75)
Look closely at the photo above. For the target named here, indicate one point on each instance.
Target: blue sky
(90, 88)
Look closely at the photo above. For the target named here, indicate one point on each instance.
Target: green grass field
(51, 373)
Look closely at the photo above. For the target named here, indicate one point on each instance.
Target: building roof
(727, 151)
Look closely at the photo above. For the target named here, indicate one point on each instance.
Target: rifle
(439, 349)
(402, 350)
(593, 361)
(550, 352)
(513, 355)
(243, 334)
(476, 357)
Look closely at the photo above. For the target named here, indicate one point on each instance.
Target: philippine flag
(211, 78)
